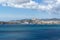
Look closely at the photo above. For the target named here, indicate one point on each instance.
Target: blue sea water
(30, 32)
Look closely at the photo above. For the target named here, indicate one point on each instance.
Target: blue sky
(22, 9)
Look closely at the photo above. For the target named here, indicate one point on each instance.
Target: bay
(29, 32)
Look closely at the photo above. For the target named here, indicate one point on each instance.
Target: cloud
(56, 7)
(51, 6)
(14, 1)
(19, 3)
(23, 4)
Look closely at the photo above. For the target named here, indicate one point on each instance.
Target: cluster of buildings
(33, 21)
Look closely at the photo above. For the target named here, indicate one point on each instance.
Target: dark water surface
(29, 32)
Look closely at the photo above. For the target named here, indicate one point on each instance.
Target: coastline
(32, 21)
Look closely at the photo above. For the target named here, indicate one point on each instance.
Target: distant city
(33, 21)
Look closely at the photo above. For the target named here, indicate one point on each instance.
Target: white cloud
(56, 7)
(19, 3)
(30, 4)
(23, 4)
(51, 6)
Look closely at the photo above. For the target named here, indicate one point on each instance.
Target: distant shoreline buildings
(33, 21)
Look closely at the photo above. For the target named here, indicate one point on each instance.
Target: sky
(28, 9)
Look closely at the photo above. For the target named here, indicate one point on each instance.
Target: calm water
(29, 32)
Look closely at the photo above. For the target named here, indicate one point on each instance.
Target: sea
(30, 32)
